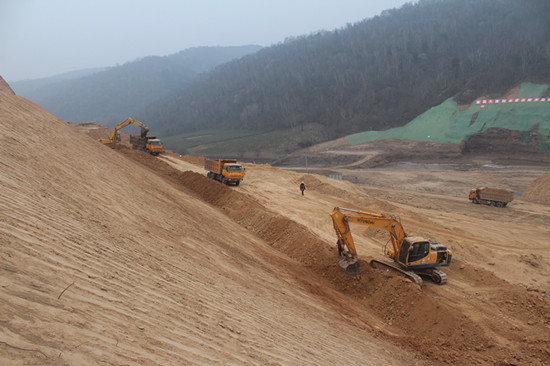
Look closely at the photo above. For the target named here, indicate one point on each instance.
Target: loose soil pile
(539, 191)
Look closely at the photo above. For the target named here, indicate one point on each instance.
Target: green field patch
(205, 137)
(259, 146)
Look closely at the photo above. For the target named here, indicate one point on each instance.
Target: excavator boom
(114, 137)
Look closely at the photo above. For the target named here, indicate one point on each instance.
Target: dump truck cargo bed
(495, 194)
(216, 166)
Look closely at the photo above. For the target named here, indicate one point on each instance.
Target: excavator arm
(114, 137)
(341, 218)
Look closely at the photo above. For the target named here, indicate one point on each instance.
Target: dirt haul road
(117, 257)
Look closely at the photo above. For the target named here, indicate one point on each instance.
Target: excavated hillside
(474, 318)
(104, 261)
(117, 257)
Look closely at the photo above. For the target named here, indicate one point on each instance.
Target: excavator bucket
(350, 266)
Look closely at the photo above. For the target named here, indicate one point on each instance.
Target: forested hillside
(111, 95)
(372, 75)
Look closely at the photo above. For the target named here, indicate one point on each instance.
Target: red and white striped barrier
(484, 102)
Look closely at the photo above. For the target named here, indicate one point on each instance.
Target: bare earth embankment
(103, 260)
(112, 256)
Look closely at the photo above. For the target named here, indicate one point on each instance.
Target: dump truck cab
(154, 146)
(233, 168)
(474, 193)
(225, 171)
(232, 173)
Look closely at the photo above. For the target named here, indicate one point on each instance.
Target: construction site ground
(112, 256)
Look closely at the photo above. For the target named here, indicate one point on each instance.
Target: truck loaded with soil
(491, 196)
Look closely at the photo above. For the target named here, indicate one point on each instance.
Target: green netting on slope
(446, 123)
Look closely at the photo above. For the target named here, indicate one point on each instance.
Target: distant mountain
(110, 95)
(373, 75)
(24, 87)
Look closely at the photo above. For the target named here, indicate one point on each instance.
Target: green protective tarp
(446, 123)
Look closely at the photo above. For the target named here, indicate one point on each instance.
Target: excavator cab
(423, 254)
(413, 252)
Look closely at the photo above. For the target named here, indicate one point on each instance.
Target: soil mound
(539, 191)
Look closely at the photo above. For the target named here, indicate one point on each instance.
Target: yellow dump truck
(225, 171)
(153, 146)
(491, 196)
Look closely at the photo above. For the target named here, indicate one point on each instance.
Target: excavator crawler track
(437, 276)
(376, 263)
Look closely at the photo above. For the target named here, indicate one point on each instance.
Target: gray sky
(40, 38)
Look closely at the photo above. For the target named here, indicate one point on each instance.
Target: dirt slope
(494, 310)
(117, 257)
(104, 261)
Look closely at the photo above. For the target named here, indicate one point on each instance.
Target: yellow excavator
(115, 137)
(413, 256)
(150, 144)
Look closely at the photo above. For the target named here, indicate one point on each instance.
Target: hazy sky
(40, 38)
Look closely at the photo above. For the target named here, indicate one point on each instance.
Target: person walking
(302, 187)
